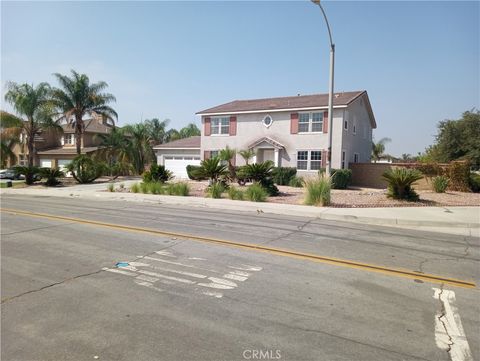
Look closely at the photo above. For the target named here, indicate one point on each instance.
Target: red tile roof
(295, 102)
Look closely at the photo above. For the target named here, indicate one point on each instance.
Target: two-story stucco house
(65, 149)
(290, 131)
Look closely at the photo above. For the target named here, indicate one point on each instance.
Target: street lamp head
(316, 2)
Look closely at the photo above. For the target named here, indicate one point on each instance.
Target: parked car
(9, 174)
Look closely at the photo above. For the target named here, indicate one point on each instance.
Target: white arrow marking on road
(449, 333)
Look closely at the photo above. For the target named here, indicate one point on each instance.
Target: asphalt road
(76, 291)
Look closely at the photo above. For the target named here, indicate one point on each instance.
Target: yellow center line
(258, 247)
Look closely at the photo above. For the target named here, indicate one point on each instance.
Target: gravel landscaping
(362, 197)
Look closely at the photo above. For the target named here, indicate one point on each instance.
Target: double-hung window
(310, 122)
(69, 139)
(309, 159)
(220, 126)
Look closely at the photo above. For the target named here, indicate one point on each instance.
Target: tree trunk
(78, 133)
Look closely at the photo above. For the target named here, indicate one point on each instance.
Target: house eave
(272, 110)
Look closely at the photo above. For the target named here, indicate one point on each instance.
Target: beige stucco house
(290, 131)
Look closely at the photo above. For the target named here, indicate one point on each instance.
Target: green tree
(171, 135)
(157, 130)
(31, 103)
(247, 154)
(140, 148)
(458, 139)
(76, 98)
(210, 168)
(115, 146)
(378, 149)
(10, 137)
(189, 130)
(227, 155)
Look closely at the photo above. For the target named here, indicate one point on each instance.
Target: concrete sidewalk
(455, 220)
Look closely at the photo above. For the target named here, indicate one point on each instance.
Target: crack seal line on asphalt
(257, 247)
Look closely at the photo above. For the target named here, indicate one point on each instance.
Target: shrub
(111, 187)
(261, 173)
(156, 188)
(297, 182)
(122, 186)
(51, 174)
(341, 178)
(215, 190)
(440, 184)
(144, 187)
(28, 172)
(117, 169)
(235, 193)
(459, 175)
(192, 170)
(211, 169)
(84, 169)
(256, 193)
(135, 188)
(157, 173)
(400, 182)
(181, 189)
(318, 191)
(474, 182)
(283, 175)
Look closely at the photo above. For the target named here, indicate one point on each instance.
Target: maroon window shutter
(294, 123)
(206, 154)
(325, 122)
(233, 125)
(208, 126)
(324, 158)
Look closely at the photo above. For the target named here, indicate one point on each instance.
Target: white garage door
(178, 165)
(46, 163)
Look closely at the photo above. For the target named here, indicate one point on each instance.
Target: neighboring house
(64, 152)
(290, 131)
(176, 155)
(45, 140)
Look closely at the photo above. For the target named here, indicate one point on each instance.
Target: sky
(419, 61)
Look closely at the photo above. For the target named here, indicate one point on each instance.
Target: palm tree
(247, 154)
(189, 130)
(34, 113)
(227, 155)
(77, 97)
(211, 168)
(140, 145)
(171, 135)
(114, 146)
(157, 130)
(378, 148)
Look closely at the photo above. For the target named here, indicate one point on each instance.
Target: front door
(269, 154)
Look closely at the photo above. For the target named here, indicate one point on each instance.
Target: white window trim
(310, 123)
(263, 121)
(309, 160)
(219, 134)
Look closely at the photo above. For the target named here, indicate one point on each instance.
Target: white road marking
(235, 277)
(166, 254)
(114, 270)
(216, 285)
(197, 258)
(149, 285)
(179, 264)
(154, 274)
(449, 333)
(213, 294)
(247, 268)
(240, 273)
(194, 275)
(146, 278)
(138, 264)
(223, 281)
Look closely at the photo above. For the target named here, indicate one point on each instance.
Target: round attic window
(267, 121)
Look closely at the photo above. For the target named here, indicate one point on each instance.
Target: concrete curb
(331, 214)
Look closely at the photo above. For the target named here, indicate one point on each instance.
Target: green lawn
(15, 184)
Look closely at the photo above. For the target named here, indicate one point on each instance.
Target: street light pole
(330, 91)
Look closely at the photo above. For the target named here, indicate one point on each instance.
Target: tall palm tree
(227, 155)
(31, 103)
(114, 146)
(189, 130)
(171, 135)
(140, 145)
(378, 148)
(77, 98)
(157, 130)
